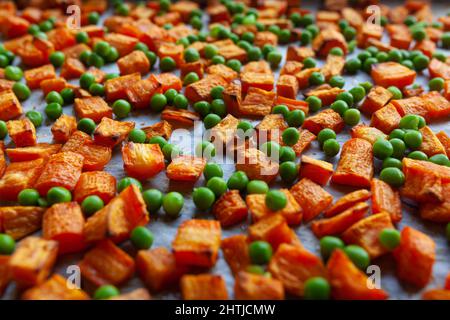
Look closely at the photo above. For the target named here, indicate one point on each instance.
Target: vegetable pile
(272, 77)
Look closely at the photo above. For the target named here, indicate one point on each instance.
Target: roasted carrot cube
(10, 107)
(341, 222)
(386, 119)
(180, 117)
(257, 165)
(437, 211)
(260, 66)
(72, 68)
(250, 286)
(293, 265)
(168, 81)
(413, 105)
(201, 90)
(107, 264)
(140, 92)
(232, 95)
(223, 71)
(19, 222)
(63, 128)
(19, 176)
(311, 197)
(94, 108)
(391, 73)
(185, 168)
(328, 39)
(316, 170)
(124, 44)
(5, 85)
(386, 199)
(304, 141)
(2, 159)
(224, 132)
(96, 157)
(347, 201)
(367, 133)
(118, 218)
(324, 119)
(203, 287)
(231, 51)
(32, 261)
(348, 282)
(22, 132)
(235, 252)
(98, 183)
(56, 84)
(439, 107)
(427, 47)
(376, 99)
(262, 81)
(142, 160)
(230, 209)
(63, 169)
(35, 76)
(110, 132)
(14, 26)
(5, 276)
(158, 268)
(274, 230)
(299, 54)
(420, 248)
(197, 243)
(445, 141)
(61, 38)
(292, 104)
(55, 288)
(287, 86)
(135, 61)
(292, 212)
(366, 233)
(355, 167)
(162, 128)
(257, 102)
(117, 88)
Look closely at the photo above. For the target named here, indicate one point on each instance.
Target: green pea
(21, 91)
(349, 33)
(317, 288)
(234, 64)
(86, 125)
(245, 126)
(190, 78)
(203, 198)
(257, 187)
(389, 238)
(436, 84)
(93, 17)
(97, 89)
(92, 204)
(106, 292)
(53, 110)
(121, 108)
(170, 151)
(314, 103)
(238, 180)
(413, 139)
(316, 78)
(358, 93)
(167, 64)
(275, 200)
(3, 130)
(260, 252)
(399, 148)
(367, 65)
(158, 140)
(170, 95)
(358, 255)
(95, 60)
(331, 147)
(218, 186)
(205, 149)
(337, 81)
(7, 244)
(158, 102)
(295, 118)
(366, 85)
(271, 149)
(382, 149)
(137, 136)
(392, 176)
(325, 134)
(254, 54)
(57, 58)
(397, 134)
(421, 62)
(126, 182)
(211, 120)
(418, 155)
(281, 109)
(142, 238)
(113, 55)
(28, 197)
(13, 73)
(212, 170)
(153, 199)
(287, 154)
(306, 37)
(396, 93)
(172, 204)
(58, 195)
(382, 56)
(328, 244)
(288, 171)
(395, 55)
(191, 55)
(82, 37)
(35, 117)
(86, 80)
(339, 106)
(210, 51)
(309, 63)
(392, 162)
(202, 107)
(290, 136)
(54, 96)
(218, 107)
(440, 159)
(274, 58)
(410, 121)
(345, 96)
(352, 117)
(353, 65)
(419, 34)
(68, 95)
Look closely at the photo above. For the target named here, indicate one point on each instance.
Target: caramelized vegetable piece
(168, 81)
(140, 92)
(34, 77)
(39, 151)
(230, 209)
(117, 219)
(200, 90)
(197, 243)
(420, 248)
(386, 199)
(235, 252)
(94, 108)
(232, 95)
(324, 119)
(19, 176)
(22, 132)
(5, 276)
(413, 105)
(293, 265)
(63, 222)
(137, 294)
(391, 73)
(55, 288)
(185, 168)
(348, 282)
(117, 88)
(142, 160)
(135, 61)
(292, 212)
(19, 222)
(328, 39)
(110, 132)
(223, 71)
(376, 99)
(107, 264)
(292, 104)
(437, 68)
(347, 201)
(341, 222)
(316, 170)
(2, 159)
(98, 183)
(72, 68)
(224, 132)
(298, 54)
(367, 133)
(445, 141)
(124, 44)
(257, 165)
(263, 81)
(430, 143)
(437, 211)
(438, 106)
(334, 66)
(272, 127)
(180, 117)
(304, 141)
(386, 119)
(274, 230)
(355, 167)
(436, 294)
(203, 287)
(10, 107)
(62, 170)
(63, 128)
(311, 197)
(250, 286)
(158, 268)
(257, 102)
(162, 128)
(32, 261)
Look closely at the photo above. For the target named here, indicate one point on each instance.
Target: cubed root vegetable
(19, 222)
(235, 252)
(95, 183)
(55, 288)
(203, 287)
(388, 74)
(385, 198)
(249, 286)
(230, 209)
(317, 171)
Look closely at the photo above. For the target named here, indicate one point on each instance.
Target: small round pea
(328, 244)
(217, 185)
(35, 117)
(142, 238)
(392, 176)
(397, 134)
(349, 33)
(113, 55)
(295, 118)
(211, 120)
(167, 64)
(281, 109)
(57, 58)
(260, 252)
(68, 95)
(82, 37)
(106, 292)
(210, 51)
(326, 134)
(126, 182)
(158, 102)
(158, 140)
(234, 64)
(331, 147)
(4, 61)
(309, 63)
(216, 92)
(212, 170)
(317, 288)
(367, 65)
(153, 199)
(238, 180)
(392, 162)
(93, 17)
(367, 85)
(54, 96)
(410, 121)
(202, 107)
(203, 198)
(418, 155)
(7, 244)
(3, 130)
(345, 96)
(399, 148)
(245, 127)
(137, 136)
(421, 62)
(170, 151)
(21, 91)
(257, 187)
(339, 106)
(358, 255)
(413, 139)
(58, 195)
(396, 93)
(13, 73)
(274, 58)
(288, 171)
(86, 80)
(191, 55)
(389, 238)
(314, 103)
(440, 159)
(92, 204)
(254, 54)
(190, 78)
(218, 107)
(170, 95)
(284, 36)
(205, 149)
(316, 78)
(275, 200)
(180, 101)
(419, 34)
(337, 81)
(271, 149)
(436, 84)
(352, 117)
(287, 154)
(53, 110)
(97, 89)
(382, 149)
(445, 39)
(353, 65)
(382, 56)
(121, 108)
(86, 125)
(28, 197)
(290, 136)
(172, 204)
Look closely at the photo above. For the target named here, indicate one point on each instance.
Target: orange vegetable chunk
(230, 209)
(317, 171)
(257, 102)
(117, 88)
(110, 132)
(437, 211)
(311, 197)
(376, 99)
(274, 230)
(257, 165)
(94, 108)
(10, 107)
(235, 252)
(40, 150)
(142, 161)
(185, 168)
(63, 128)
(135, 61)
(250, 286)
(55, 288)
(386, 199)
(324, 119)
(34, 77)
(203, 287)
(19, 222)
(347, 201)
(391, 73)
(22, 132)
(95, 183)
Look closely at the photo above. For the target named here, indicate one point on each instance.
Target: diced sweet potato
(437, 68)
(61, 38)
(325, 93)
(136, 294)
(55, 288)
(197, 243)
(334, 66)
(185, 168)
(158, 268)
(292, 104)
(437, 211)
(287, 86)
(180, 117)
(107, 264)
(32, 261)
(124, 44)
(230, 209)
(49, 85)
(141, 160)
(257, 165)
(223, 71)
(168, 81)
(117, 88)
(263, 81)
(328, 39)
(304, 75)
(445, 141)
(200, 90)
(72, 68)
(367, 133)
(341, 222)
(324, 119)
(311, 197)
(272, 126)
(232, 95)
(304, 141)
(376, 99)
(10, 107)
(110, 132)
(40, 150)
(98, 183)
(293, 266)
(436, 294)
(224, 132)
(347, 201)
(250, 286)
(76, 50)
(163, 129)
(298, 54)
(63, 128)
(316, 170)
(438, 106)
(235, 252)
(203, 287)
(413, 105)
(140, 92)
(291, 67)
(420, 248)
(386, 119)
(386, 199)
(34, 77)
(355, 167)
(94, 108)
(62, 170)
(292, 212)
(348, 282)
(19, 222)
(22, 132)
(430, 143)
(135, 61)
(391, 73)
(400, 36)
(257, 102)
